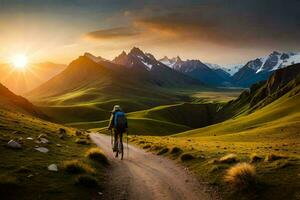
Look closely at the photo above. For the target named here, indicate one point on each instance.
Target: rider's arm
(111, 122)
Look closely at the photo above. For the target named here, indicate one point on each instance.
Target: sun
(20, 61)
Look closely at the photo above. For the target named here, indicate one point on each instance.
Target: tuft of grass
(7, 182)
(86, 181)
(255, 158)
(163, 151)
(230, 158)
(82, 141)
(241, 176)
(272, 157)
(147, 146)
(77, 167)
(176, 150)
(97, 155)
(186, 157)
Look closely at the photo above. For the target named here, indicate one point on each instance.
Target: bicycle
(120, 146)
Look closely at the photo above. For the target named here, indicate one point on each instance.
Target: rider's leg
(115, 140)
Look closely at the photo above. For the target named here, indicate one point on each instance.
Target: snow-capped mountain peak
(174, 63)
(278, 60)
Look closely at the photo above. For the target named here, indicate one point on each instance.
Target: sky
(216, 31)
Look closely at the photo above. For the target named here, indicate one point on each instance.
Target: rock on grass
(14, 145)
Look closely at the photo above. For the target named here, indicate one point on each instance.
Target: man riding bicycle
(118, 123)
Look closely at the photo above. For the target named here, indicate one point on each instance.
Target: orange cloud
(113, 33)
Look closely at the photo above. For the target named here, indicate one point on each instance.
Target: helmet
(116, 108)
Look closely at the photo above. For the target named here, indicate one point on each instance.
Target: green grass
(25, 171)
(271, 132)
(139, 126)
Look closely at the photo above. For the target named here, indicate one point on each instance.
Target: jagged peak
(165, 58)
(94, 58)
(177, 59)
(149, 55)
(275, 53)
(136, 51)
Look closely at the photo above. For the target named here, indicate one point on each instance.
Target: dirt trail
(146, 176)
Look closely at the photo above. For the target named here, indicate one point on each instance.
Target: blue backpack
(120, 121)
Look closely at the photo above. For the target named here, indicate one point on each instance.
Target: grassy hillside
(264, 134)
(270, 134)
(10, 101)
(24, 173)
(91, 89)
(188, 114)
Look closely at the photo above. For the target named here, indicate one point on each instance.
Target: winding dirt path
(146, 176)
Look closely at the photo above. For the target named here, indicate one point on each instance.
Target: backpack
(120, 121)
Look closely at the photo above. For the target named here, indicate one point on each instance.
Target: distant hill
(263, 93)
(21, 82)
(267, 107)
(12, 102)
(91, 85)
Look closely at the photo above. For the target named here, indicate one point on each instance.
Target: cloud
(113, 33)
(237, 24)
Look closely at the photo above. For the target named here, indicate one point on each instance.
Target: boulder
(53, 167)
(29, 138)
(44, 140)
(42, 136)
(42, 149)
(13, 144)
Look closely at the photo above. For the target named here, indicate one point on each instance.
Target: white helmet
(117, 108)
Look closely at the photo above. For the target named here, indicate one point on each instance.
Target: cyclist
(118, 123)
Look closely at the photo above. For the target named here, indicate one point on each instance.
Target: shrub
(241, 176)
(8, 183)
(82, 141)
(272, 157)
(255, 158)
(6, 180)
(86, 181)
(176, 150)
(186, 157)
(147, 146)
(155, 148)
(163, 151)
(230, 158)
(77, 167)
(97, 155)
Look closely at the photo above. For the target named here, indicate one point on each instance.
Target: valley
(170, 113)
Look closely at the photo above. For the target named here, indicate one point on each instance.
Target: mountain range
(91, 85)
(236, 75)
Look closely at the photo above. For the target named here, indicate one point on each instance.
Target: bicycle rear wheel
(121, 149)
